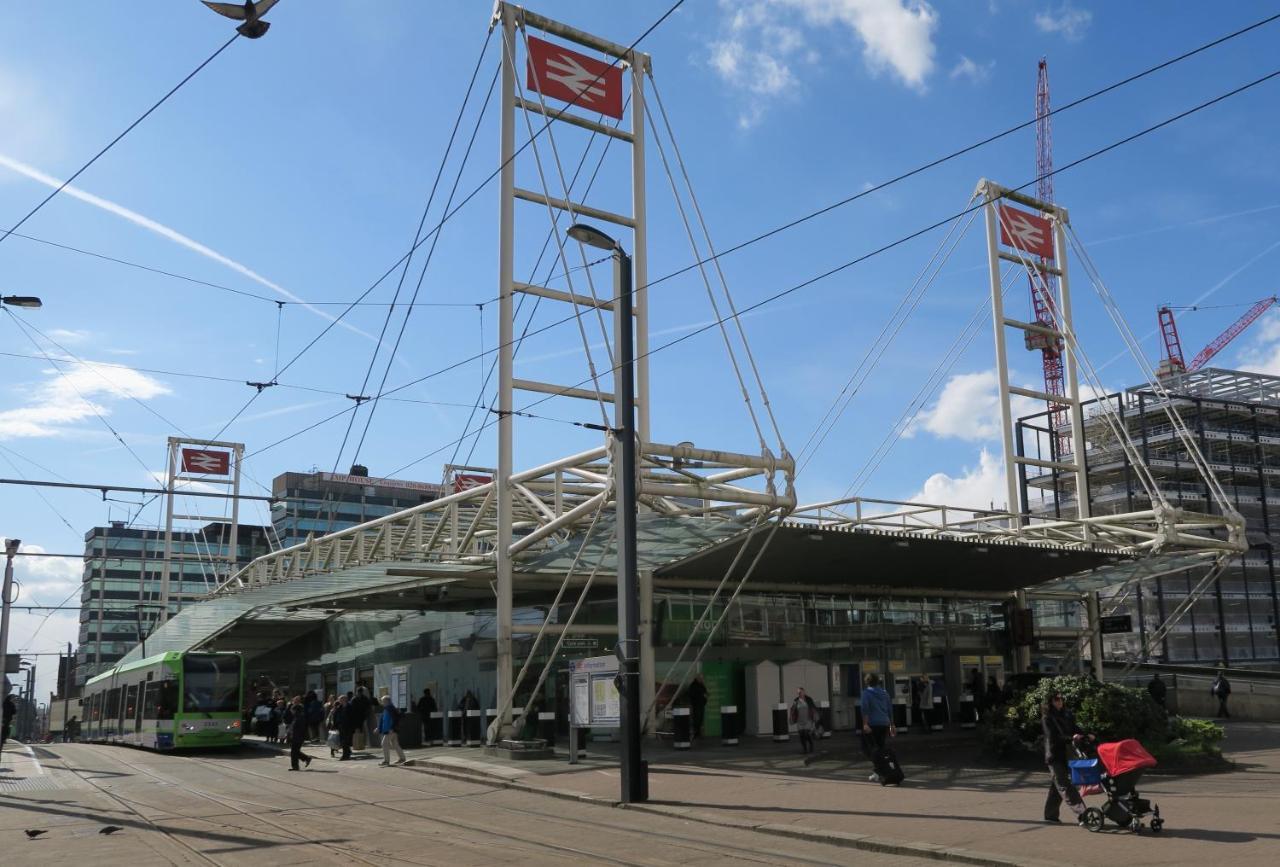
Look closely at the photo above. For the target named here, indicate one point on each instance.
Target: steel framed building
(1235, 416)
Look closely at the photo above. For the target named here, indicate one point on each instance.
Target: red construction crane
(1172, 362)
(1044, 286)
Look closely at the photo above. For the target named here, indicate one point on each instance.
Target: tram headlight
(188, 727)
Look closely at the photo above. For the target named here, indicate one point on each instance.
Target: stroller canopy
(1122, 757)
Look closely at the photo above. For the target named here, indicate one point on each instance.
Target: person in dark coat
(697, 693)
(1060, 730)
(1221, 688)
(469, 702)
(6, 716)
(359, 710)
(1157, 689)
(426, 707)
(295, 717)
(345, 720)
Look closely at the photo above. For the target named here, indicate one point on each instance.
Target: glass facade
(123, 569)
(1235, 419)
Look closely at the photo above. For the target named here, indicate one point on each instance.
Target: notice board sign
(1115, 623)
(593, 696)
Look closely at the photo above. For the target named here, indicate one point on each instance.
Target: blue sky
(300, 163)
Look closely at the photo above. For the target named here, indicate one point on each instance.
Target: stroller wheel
(1093, 819)
(1156, 825)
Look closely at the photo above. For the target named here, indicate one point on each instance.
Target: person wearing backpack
(1221, 689)
(804, 716)
(387, 722)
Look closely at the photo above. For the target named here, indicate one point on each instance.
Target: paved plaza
(756, 803)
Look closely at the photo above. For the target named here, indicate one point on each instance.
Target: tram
(168, 701)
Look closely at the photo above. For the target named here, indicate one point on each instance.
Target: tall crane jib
(1173, 363)
(1044, 288)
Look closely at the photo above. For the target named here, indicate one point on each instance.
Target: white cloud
(977, 487)
(68, 397)
(975, 72)
(1262, 352)
(764, 39)
(67, 335)
(1066, 19)
(969, 409)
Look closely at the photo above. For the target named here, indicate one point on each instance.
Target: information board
(593, 696)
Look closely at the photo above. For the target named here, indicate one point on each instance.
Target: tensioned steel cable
(190, 75)
(426, 209)
(852, 262)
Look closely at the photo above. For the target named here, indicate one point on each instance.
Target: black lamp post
(634, 785)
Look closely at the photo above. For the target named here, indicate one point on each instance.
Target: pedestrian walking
(297, 729)
(804, 716)
(359, 710)
(922, 701)
(1060, 731)
(995, 693)
(344, 719)
(387, 722)
(877, 719)
(1221, 688)
(314, 710)
(697, 693)
(1157, 689)
(10, 710)
(426, 707)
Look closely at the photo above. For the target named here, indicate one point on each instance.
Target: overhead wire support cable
(804, 284)
(190, 75)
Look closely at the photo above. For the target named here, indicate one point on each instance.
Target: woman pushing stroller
(1060, 730)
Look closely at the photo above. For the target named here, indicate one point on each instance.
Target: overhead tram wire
(404, 272)
(670, 11)
(78, 172)
(846, 265)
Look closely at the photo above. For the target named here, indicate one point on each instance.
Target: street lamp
(11, 550)
(21, 301)
(633, 772)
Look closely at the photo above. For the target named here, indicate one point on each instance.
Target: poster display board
(593, 695)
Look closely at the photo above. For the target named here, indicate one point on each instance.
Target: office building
(322, 503)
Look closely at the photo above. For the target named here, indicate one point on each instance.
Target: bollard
(547, 726)
(435, 728)
(824, 717)
(729, 730)
(781, 723)
(681, 728)
(471, 729)
(453, 736)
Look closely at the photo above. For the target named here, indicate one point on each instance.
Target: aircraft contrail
(172, 235)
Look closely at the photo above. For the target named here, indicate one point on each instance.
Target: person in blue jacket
(877, 717)
(387, 722)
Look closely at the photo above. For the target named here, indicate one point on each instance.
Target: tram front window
(211, 684)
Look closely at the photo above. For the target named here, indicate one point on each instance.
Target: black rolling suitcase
(885, 762)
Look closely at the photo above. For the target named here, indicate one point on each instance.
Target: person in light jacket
(387, 722)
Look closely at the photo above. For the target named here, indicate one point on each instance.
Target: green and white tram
(168, 701)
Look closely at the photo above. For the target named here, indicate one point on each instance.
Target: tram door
(144, 689)
(129, 710)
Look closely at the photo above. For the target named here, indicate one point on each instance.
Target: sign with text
(574, 78)
(206, 462)
(593, 695)
(1026, 232)
(1113, 623)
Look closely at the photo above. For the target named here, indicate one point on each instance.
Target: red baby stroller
(1115, 771)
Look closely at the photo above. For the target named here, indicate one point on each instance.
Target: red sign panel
(1026, 232)
(465, 483)
(206, 462)
(574, 77)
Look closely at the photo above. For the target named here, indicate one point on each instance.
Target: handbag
(334, 740)
(282, 731)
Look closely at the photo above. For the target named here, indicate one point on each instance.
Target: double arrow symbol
(571, 74)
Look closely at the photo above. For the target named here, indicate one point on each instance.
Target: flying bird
(110, 829)
(31, 835)
(250, 13)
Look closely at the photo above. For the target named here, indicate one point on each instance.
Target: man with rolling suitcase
(877, 726)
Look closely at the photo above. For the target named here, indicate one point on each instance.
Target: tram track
(575, 825)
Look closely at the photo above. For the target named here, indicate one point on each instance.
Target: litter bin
(471, 729)
(681, 728)
(824, 717)
(968, 711)
(781, 723)
(453, 736)
(547, 726)
(410, 730)
(729, 725)
(435, 728)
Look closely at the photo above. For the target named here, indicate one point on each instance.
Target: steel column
(1002, 363)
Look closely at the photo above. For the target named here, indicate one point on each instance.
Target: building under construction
(1236, 418)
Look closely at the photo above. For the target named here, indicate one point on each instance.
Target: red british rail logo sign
(207, 462)
(574, 78)
(1026, 232)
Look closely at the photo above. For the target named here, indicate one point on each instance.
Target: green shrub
(1195, 735)
(1107, 710)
